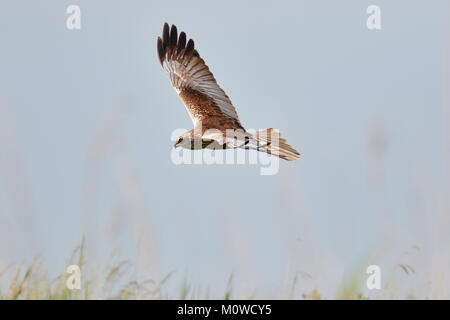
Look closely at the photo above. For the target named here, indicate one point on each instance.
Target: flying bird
(210, 109)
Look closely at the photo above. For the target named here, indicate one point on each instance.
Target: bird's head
(184, 141)
(179, 142)
(188, 141)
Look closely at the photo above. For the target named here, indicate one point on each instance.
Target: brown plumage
(207, 104)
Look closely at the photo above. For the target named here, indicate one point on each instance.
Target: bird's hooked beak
(177, 143)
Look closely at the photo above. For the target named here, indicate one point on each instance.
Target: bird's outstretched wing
(191, 78)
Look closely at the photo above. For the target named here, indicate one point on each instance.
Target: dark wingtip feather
(189, 47)
(173, 36)
(165, 34)
(173, 46)
(182, 41)
(189, 51)
(159, 45)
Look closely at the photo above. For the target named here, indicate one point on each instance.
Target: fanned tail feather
(270, 141)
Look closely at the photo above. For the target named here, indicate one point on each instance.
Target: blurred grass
(33, 283)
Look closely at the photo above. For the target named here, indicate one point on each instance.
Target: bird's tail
(270, 141)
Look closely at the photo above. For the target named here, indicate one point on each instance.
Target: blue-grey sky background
(86, 118)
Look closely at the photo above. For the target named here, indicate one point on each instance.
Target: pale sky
(86, 118)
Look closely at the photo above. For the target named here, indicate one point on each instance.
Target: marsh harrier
(216, 123)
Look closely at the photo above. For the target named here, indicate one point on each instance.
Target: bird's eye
(179, 140)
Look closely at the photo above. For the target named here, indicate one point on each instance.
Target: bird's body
(216, 123)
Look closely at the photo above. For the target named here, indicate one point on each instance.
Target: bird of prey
(210, 109)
